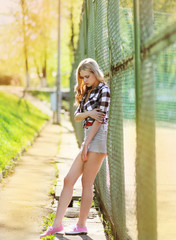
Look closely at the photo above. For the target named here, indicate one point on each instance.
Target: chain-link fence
(134, 42)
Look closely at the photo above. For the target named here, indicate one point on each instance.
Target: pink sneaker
(51, 231)
(76, 230)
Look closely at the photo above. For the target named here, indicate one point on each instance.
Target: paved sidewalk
(68, 151)
(24, 198)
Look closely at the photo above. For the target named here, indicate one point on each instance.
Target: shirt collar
(98, 86)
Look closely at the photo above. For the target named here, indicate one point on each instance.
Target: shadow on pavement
(69, 237)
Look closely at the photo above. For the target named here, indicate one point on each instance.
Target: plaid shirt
(98, 98)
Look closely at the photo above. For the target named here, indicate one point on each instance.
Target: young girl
(93, 98)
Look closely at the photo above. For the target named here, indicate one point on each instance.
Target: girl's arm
(81, 116)
(93, 114)
(92, 133)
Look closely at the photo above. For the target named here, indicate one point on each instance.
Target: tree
(29, 43)
(25, 43)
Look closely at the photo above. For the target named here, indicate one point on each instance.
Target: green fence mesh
(134, 43)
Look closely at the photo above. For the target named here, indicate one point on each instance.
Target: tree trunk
(25, 43)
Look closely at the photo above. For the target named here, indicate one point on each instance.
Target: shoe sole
(77, 233)
(60, 232)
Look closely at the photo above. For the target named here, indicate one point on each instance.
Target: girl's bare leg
(91, 168)
(74, 173)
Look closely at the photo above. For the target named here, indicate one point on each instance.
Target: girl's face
(89, 78)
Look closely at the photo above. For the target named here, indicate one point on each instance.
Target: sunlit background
(29, 37)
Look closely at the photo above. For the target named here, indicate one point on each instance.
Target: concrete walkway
(68, 151)
(24, 198)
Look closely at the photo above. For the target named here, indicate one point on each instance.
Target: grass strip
(19, 123)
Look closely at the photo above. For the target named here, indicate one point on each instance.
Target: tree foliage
(41, 36)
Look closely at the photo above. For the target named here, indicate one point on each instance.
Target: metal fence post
(115, 147)
(145, 126)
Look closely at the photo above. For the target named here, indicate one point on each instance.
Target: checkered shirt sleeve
(104, 100)
(78, 109)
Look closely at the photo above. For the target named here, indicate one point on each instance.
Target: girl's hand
(84, 153)
(99, 116)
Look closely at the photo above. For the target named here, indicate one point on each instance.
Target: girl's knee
(86, 184)
(67, 181)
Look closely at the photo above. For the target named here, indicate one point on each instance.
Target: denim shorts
(99, 142)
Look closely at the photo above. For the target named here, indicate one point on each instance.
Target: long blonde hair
(91, 65)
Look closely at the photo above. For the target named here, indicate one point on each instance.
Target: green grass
(53, 187)
(19, 122)
(44, 96)
(48, 222)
